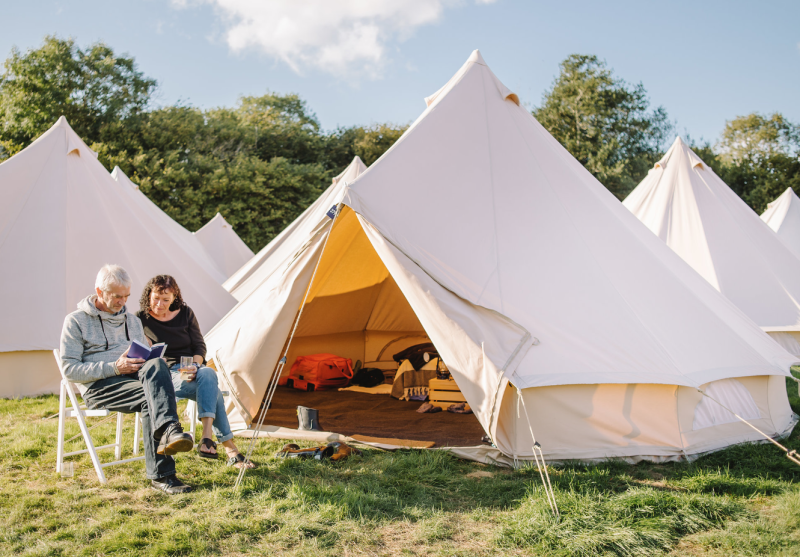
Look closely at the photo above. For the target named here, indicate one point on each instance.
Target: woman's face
(161, 300)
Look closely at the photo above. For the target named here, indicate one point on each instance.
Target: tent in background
(63, 217)
(479, 230)
(152, 215)
(223, 245)
(690, 208)
(250, 275)
(783, 216)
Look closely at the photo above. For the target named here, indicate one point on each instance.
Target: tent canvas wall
(223, 245)
(251, 274)
(690, 208)
(153, 216)
(533, 282)
(783, 216)
(62, 217)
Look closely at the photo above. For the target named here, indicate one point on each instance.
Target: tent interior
(355, 309)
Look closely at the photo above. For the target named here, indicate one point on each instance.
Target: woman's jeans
(205, 391)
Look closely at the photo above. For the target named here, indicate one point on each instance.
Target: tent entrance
(356, 310)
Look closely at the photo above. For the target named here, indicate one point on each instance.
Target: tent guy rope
(548, 488)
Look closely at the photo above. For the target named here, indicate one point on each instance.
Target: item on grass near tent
(428, 408)
(319, 372)
(460, 408)
(308, 419)
(412, 383)
(418, 355)
(367, 377)
(334, 451)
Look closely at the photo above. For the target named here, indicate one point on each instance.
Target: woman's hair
(161, 283)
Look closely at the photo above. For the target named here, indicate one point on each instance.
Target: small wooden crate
(443, 393)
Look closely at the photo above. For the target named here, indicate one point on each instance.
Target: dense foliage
(604, 123)
(262, 162)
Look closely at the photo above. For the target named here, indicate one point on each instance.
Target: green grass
(742, 501)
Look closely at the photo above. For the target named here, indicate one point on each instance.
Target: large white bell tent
(783, 216)
(153, 216)
(62, 217)
(251, 274)
(690, 208)
(224, 246)
(556, 311)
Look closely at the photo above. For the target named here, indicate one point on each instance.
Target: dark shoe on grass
(171, 485)
(174, 440)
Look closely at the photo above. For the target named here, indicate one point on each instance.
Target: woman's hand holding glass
(188, 368)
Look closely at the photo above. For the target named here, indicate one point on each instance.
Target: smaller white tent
(223, 245)
(689, 207)
(152, 215)
(244, 281)
(783, 216)
(62, 217)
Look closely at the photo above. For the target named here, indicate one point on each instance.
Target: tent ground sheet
(351, 413)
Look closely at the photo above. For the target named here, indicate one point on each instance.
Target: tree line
(263, 161)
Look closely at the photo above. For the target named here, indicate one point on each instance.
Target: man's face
(114, 300)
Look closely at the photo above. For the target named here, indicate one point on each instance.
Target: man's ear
(98, 292)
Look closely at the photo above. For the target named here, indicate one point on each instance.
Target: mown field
(742, 501)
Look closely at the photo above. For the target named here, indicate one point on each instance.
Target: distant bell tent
(63, 217)
(168, 226)
(691, 209)
(249, 276)
(556, 312)
(783, 216)
(223, 245)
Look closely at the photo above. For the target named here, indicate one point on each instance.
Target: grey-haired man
(94, 355)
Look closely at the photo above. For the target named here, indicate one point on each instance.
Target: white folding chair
(76, 411)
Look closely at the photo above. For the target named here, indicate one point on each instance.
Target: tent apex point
(476, 57)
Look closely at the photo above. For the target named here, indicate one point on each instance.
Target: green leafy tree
(94, 88)
(756, 137)
(604, 122)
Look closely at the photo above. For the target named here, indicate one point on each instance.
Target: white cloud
(343, 37)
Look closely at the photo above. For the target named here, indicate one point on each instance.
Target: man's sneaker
(170, 485)
(174, 440)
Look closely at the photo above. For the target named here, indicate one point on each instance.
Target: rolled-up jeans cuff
(225, 438)
(207, 415)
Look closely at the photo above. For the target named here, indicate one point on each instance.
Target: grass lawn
(742, 501)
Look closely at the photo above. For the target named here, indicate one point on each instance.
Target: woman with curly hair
(166, 318)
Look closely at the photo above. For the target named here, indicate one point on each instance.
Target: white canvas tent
(153, 216)
(223, 245)
(251, 274)
(783, 216)
(478, 229)
(690, 208)
(62, 217)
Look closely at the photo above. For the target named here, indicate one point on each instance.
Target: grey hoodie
(90, 347)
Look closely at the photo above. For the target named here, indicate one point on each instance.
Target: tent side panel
(591, 421)
(30, 373)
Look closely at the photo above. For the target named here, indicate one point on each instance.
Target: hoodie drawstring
(127, 336)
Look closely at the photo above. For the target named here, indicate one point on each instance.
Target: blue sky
(367, 61)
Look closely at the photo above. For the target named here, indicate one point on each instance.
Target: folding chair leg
(86, 437)
(118, 448)
(192, 411)
(62, 410)
(137, 420)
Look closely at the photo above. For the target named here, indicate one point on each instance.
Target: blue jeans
(204, 390)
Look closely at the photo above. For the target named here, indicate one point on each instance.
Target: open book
(139, 350)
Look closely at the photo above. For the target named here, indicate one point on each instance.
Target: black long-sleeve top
(181, 334)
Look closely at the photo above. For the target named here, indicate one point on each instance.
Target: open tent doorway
(356, 310)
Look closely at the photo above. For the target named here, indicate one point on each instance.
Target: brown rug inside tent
(350, 413)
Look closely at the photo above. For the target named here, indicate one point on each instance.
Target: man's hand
(126, 365)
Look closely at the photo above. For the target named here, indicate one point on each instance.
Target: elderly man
(94, 355)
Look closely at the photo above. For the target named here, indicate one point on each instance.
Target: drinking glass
(187, 369)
